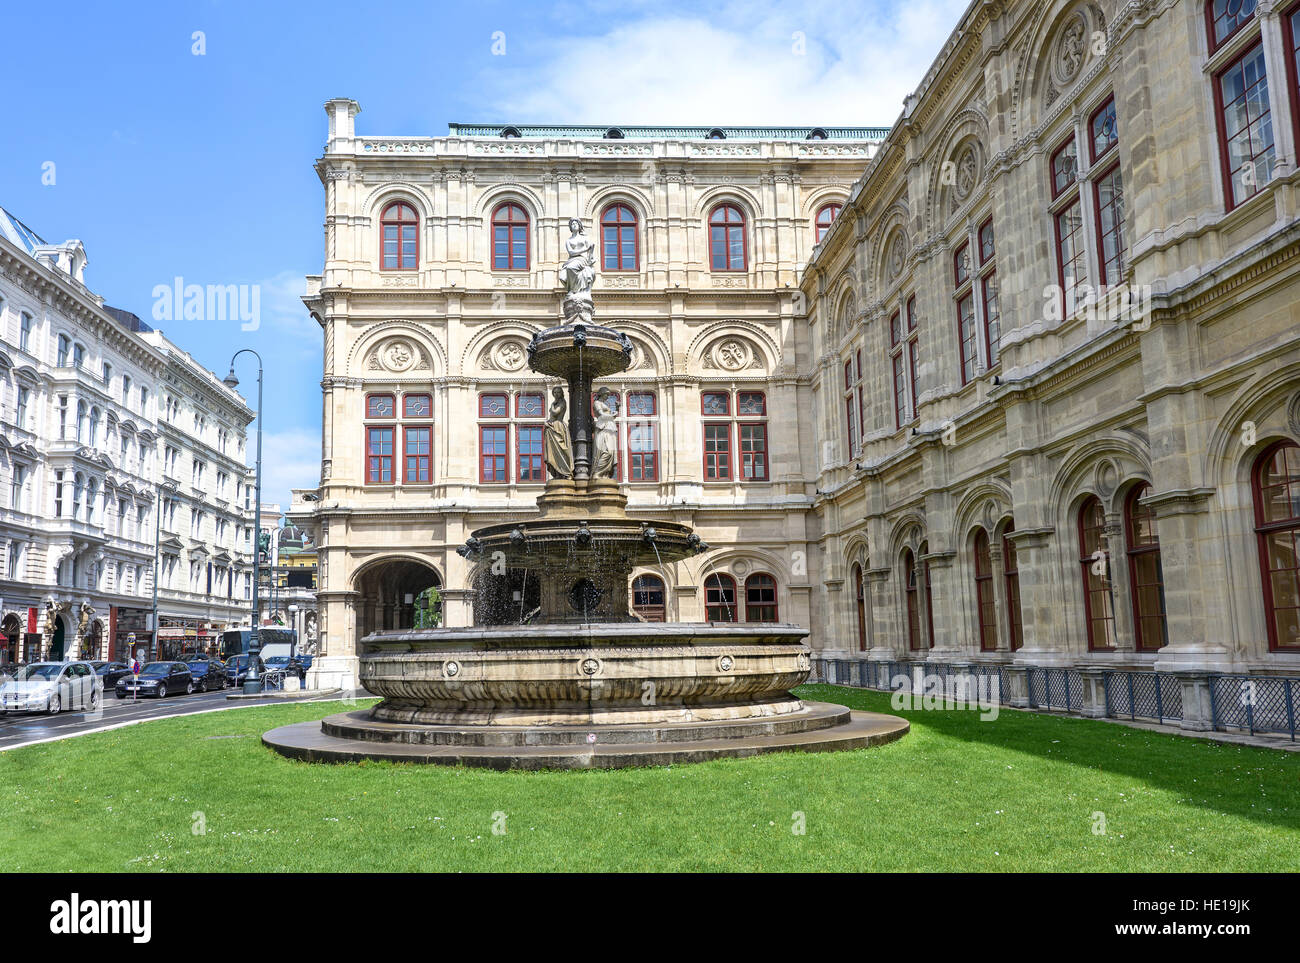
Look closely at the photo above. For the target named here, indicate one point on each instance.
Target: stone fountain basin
(604, 352)
(597, 674)
(549, 539)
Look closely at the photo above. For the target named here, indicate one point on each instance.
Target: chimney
(342, 113)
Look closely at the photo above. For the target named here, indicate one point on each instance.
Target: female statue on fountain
(555, 441)
(605, 460)
(578, 273)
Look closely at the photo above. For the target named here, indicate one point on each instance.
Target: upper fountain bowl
(588, 350)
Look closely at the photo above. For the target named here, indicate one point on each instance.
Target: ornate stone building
(442, 258)
(1034, 396)
(1056, 353)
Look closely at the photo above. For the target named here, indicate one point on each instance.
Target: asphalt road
(21, 728)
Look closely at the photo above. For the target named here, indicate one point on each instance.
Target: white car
(51, 687)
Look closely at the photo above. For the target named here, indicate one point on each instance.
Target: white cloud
(736, 65)
(283, 313)
(290, 459)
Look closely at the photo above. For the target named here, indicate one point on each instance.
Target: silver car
(52, 687)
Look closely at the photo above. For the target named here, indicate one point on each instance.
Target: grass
(1018, 793)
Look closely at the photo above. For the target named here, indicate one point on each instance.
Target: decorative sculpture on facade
(606, 460)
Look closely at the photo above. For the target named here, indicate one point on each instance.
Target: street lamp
(253, 681)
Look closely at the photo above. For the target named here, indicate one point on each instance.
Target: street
(23, 728)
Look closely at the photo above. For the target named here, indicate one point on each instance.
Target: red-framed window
(913, 605)
(1291, 25)
(984, 593)
(854, 425)
(753, 451)
(1146, 580)
(966, 336)
(1071, 254)
(1098, 602)
(989, 293)
(860, 597)
(1065, 167)
(509, 238)
(642, 437)
(748, 426)
(760, 598)
(379, 455)
(648, 598)
(825, 218)
(417, 406)
(1245, 125)
(986, 242)
(529, 466)
(1103, 134)
(720, 599)
(1223, 18)
(728, 247)
(381, 406)
(929, 594)
(1276, 491)
(494, 453)
(417, 445)
(399, 227)
(717, 451)
(1011, 579)
(619, 247)
(529, 405)
(494, 406)
(1108, 198)
(902, 350)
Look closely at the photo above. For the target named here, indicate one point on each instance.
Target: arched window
(1098, 603)
(760, 598)
(1226, 17)
(83, 424)
(1276, 484)
(1011, 578)
(859, 591)
(720, 599)
(1146, 580)
(509, 238)
(984, 593)
(93, 434)
(825, 217)
(648, 598)
(913, 607)
(64, 347)
(727, 246)
(618, 240)
(401, 232)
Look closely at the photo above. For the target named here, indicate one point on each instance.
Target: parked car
(110, 672)
(190, 655)
(51, 687)
(157, 679)
(209, 674)
(288, 664)
(237, 669)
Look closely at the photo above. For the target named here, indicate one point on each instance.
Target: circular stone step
(362, 726)
(309, 742)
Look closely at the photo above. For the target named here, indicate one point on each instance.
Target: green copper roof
(670, 133)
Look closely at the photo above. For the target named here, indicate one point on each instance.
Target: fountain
(586, 683)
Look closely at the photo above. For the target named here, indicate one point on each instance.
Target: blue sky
(168, 163)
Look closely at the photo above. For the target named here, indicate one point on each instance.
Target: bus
(271, 640)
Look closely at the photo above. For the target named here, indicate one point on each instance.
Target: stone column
(1190, 551)
(944, 602)
(1001, 613)
(1197, 711)
(1117, 573)
(1040, 604)
(882, 625)
(1094, 691)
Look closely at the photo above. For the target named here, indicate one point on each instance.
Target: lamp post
(253, 681)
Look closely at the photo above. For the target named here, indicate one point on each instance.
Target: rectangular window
(717, 452)
(986, 242)
(1245, 125)
(20, 407)
(379, 456)
(911, 364)
(493, 452)
(1292, 21)
(1226, 17)
(1110, 225)
(961, 265)
(992, 316)
(751, 403)
(379, 406)
(493, 406)
(1102, 132)
(17, 481)
(1071, 255)
(528, 440)
(715, 403)
(966, 337)
(416, 445)
(640, 404)
(753, 451)
(900, 392)
(1065, 167)
(643, 451)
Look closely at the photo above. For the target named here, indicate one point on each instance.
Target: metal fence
(1264, 704)
(1254, 703)
(1143, 695)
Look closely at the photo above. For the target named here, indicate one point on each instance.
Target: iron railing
(1143, 695)
(1254, 703)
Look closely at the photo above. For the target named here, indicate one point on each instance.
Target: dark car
(209, 674)
(237, 669)
(157, 679)
(110, 672)
(189, 655)
(287, 664)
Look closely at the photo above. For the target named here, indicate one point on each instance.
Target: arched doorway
(56, 645)
(388, 592)
(10, 644)
(94, 647)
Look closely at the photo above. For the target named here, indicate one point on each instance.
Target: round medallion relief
(590, 666)
(399, 356)
(726, 663)
(732, 354)
(510, 355)
(1067, 59)
(450, 669)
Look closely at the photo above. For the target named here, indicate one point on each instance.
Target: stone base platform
(356, 736)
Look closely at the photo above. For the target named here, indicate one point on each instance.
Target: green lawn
(1018, 793)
